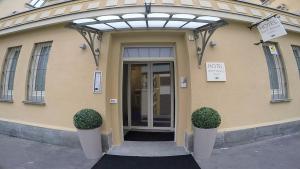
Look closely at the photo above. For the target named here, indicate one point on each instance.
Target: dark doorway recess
(133, 162)
(149, 136)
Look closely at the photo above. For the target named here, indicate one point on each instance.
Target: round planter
(204, 141)
(90, 141)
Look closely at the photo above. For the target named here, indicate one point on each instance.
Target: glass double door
(148, 96)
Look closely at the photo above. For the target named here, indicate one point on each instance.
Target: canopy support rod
(202, 37)
(91, 36)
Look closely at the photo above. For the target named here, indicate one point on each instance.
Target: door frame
(150, 117)
(122, 59)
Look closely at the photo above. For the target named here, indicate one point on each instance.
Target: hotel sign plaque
(215, 71)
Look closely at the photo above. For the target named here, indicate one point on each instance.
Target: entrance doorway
(148, 96)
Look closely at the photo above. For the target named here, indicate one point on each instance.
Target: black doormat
(133, 162)
(149, 136)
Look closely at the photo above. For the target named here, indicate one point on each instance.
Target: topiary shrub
(87, 119)
(206, 118)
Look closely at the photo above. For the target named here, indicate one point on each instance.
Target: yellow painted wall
(68, 78)
(244, 100)
(9, 6)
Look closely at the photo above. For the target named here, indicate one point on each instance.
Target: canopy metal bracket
(91, 36)
(203, 35)
(147, 7)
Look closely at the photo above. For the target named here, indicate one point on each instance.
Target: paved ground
(279, 153)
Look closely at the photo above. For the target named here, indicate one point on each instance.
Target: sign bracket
(91, 36)
(262, 20)
(203, 35)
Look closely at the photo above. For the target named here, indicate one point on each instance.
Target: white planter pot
(91, 142)
(204, 141)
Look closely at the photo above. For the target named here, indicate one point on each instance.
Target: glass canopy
(147, 21)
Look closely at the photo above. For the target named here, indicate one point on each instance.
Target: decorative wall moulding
(223, 6)
(240, 9)
(93, 5)
(31, 17)
(256, 12)
(294, 21)
(205, 4)
(168, 1)
(129, 2)
(187, 2)
(76, 8)
(59, 11)
(111, 3)
(45, 14)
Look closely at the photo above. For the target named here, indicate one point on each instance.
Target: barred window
(296, 50)
(8, 73)
(277, 73)
(37, 72)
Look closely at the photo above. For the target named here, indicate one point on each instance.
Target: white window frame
(5, 92)
(31, 89)
(282, 92)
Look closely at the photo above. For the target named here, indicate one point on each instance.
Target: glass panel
(108, 17)
(183, 16)
(151, 52)
(156, 24)
(194, 25)
(39, 3)
(209, 18)
(8, 73)
(84, 20)
(133, 15)
(125, 95)
(137, 24)
(100, 26)
(139, 94)
(119, 25)
(41, 69)
(296, 50)
(276, 72)
(162, 100)
(37, 72)
(175, 24)
(158, 15)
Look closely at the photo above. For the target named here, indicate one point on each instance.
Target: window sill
(34, 103)
(281, 100)
(6, 100)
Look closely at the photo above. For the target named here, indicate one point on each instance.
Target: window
(37, 72)
(148, 52)
(8, 73)
(277, 74)
(36, 3)
(296, 50)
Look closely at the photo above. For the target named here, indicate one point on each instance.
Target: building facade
(146, 68)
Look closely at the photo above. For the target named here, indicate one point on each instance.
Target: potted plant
(88, 123)
(205, 121)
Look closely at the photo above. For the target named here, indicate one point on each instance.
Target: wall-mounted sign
(97, 86)
(215, 71)
(273, 50)
(271, 28)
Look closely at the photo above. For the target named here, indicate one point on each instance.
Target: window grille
(37, 3)
(296, 50)
(8, 73)
(37, 72)
(277, 74)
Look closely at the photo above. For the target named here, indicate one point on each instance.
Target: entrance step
(146, 148)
